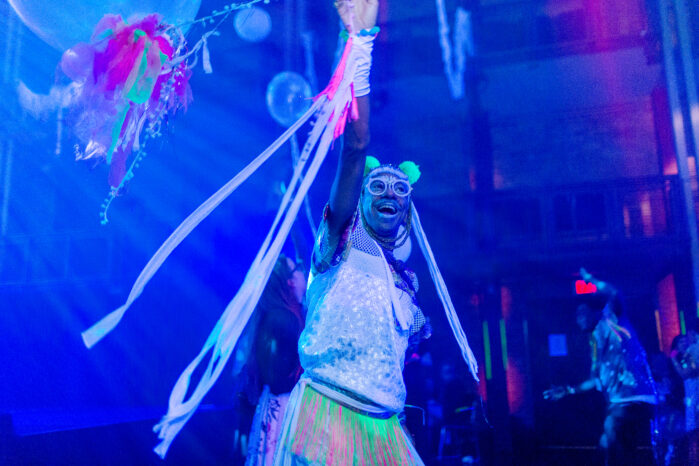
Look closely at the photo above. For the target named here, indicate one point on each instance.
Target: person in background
(685, 359)
(670, 411)
(620, 371)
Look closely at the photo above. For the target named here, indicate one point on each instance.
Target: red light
(582, 287)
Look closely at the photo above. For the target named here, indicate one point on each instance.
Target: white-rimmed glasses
(378, 185)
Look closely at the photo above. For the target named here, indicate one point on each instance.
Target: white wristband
(362, 46)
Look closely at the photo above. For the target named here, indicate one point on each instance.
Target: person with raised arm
(620, 371)
(362, 308)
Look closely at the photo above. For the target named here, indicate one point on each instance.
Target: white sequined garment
(353, 339)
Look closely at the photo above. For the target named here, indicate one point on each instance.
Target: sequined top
(352, 339)
(619, 364)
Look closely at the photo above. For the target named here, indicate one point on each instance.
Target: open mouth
(387, 209)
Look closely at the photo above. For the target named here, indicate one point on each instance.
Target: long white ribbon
(95, 333)
(443, 293)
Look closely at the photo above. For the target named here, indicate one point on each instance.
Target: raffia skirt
(330, 428)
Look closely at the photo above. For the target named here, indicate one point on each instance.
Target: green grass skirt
(330, 433)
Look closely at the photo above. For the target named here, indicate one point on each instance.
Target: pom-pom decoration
(371, 163)
(412, 170)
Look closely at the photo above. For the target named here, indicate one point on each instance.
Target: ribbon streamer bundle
(332, 108)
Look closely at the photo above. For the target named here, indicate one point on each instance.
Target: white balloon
(288, 97)
(252, 24)
(62, 24)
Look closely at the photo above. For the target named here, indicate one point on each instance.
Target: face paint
(385, 209)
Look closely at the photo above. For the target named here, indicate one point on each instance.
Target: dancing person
(361, 300)
(620, 371)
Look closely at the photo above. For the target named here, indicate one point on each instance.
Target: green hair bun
(411, 169)
(371, 163)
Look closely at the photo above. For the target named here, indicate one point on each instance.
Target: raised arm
(602, 287)
(357, 15)
(344, 195)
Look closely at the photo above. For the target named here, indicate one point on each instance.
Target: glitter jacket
(619, 365)
(352, 340)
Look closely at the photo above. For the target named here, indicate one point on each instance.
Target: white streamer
(206, 57)
(223, 338)
(443, 293)
(306, 202)
(227, 331)
(95, 333)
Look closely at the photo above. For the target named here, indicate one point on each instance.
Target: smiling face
(385, 202)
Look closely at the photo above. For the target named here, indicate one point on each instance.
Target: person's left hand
(585, 275)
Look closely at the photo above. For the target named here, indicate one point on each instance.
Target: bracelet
(364, 32)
